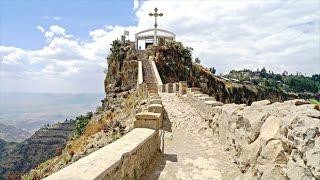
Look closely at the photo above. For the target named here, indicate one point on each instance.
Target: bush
(213, 70)
(197, 60)
(81, 123)
(314, 101)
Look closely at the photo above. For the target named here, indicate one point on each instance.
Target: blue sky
(61, 46)
(19, 18)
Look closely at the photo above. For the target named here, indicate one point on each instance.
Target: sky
(61, 46)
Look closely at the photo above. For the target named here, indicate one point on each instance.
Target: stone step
(213, 103)
(152, 85)
(153, 91)
(155, 101)
(148, 75)
(205, 98)
(193, 89)
(155, 108)
(152, 88)
(200, 95)
(195, 92)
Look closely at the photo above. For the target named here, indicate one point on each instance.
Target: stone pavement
(190, 150)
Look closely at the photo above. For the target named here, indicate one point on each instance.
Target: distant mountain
(12, 134)
(31, 111)
(18, 158)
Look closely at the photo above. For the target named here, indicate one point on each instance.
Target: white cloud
(56, 31)
(57, 18)
(135, 4)
(40, 29)
(278, 35)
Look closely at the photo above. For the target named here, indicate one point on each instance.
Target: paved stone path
(190, 149)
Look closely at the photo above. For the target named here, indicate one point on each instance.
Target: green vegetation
(212, 70)
(197, 60)
(314, 101)
(300, 83)
(289, 83)
(81, 123)
(175, 61)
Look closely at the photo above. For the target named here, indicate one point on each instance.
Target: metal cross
(155, 14)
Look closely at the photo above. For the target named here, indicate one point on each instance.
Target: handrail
(156, 73)
(140, 75)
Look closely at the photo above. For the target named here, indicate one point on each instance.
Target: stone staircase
(148, 75)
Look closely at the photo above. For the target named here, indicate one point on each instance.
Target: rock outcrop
(271, 140)
(122, 67)
(174, 63)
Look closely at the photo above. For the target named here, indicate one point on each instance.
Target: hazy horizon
(30, 111)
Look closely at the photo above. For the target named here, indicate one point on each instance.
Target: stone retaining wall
(126, 158)
(266, 140)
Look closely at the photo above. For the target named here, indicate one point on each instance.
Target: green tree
(263, 73)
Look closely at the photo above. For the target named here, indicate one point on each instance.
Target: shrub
(314, 101)
(197, 60)
(81, 123)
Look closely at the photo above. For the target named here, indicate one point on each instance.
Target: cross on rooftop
(155, 14)
(148, 37)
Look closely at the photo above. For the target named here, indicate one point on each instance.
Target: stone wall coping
(155, 105)
(99, 163)
(213, 103)
(148, 116)
(156, 72)
(155, 99)
(140, 75)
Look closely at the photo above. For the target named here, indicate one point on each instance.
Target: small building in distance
(146, 37)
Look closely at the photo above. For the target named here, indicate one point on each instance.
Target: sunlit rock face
(278, 140)
(122, 69)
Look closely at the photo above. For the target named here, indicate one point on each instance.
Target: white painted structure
(151, 36)
(146, 37)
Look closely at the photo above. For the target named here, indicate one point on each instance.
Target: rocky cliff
(122, 67)
(174, 63)
(42, 145)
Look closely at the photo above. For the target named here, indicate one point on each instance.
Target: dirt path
(190, 150)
